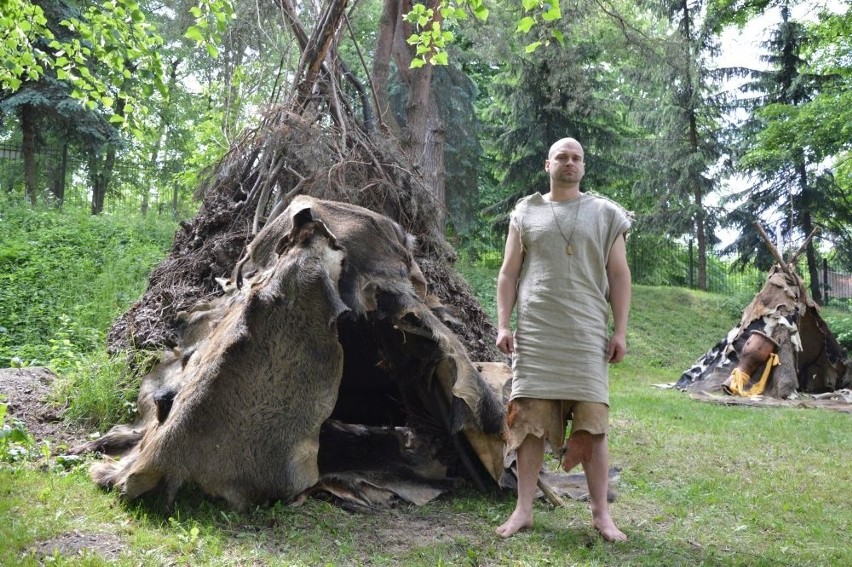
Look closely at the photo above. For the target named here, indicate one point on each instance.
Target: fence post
(825, 285)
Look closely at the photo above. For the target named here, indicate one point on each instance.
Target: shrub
(65, 275)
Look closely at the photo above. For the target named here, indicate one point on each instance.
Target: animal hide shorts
(548, 419)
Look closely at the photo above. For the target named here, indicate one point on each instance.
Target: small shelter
(781, 345)
(326, 365)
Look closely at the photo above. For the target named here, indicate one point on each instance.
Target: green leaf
(532, 47)
(558, 36)
(416, 63)
(526, 24)
(440, 58)
(194, 33)
(530, 4)
(553, 14)
(212, 50)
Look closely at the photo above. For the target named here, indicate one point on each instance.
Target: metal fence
(657, 261)
(132, 185)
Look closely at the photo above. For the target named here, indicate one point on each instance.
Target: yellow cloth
(739, 379)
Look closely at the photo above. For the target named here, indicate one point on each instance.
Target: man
(565, 265)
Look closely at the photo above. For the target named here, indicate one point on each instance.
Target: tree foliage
(781, 154)
(106, 51)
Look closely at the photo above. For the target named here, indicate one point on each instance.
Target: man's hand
(617, 348)
(505, 341)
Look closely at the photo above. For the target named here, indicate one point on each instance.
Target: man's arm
(618, 274)
(507, 289)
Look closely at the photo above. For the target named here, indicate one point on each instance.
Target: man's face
(565, 163)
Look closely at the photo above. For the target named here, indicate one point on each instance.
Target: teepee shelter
(326, 365)
(781, 345)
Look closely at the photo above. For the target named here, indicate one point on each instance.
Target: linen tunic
(561, 334)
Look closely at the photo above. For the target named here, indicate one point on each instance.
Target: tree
(101, 56)
(560, 89)
(683, 123)
(785, 166)
(825, 123)
(421, 135)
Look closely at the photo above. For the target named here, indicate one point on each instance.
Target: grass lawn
(700, 484)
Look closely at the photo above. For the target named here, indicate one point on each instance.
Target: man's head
(565, 162)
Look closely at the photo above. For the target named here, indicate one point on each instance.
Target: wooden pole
(804, 245)
(774, 251)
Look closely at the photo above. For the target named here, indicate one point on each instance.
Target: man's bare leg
(597, 476)
(529, 459)
(579, 450)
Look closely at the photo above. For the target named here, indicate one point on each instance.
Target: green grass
(64, 277)
(700, 484)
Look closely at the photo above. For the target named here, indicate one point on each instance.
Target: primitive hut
(780, 346)
(326, 365)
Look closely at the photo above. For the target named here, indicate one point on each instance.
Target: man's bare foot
(608, 530)
(516, 522)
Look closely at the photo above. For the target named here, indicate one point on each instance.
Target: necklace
(569, 250)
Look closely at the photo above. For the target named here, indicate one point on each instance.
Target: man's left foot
(609, 531)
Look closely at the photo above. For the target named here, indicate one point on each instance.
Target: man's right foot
(514, 524)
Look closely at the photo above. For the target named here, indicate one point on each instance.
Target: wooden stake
(804, 245)
(774, 251)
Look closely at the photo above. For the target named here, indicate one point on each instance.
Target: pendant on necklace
(569, 251)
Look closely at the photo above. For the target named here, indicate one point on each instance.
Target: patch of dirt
(76, 544)
(409, 531)
(27, 393)
(840, 400)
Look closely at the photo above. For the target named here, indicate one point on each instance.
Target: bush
(65, 275)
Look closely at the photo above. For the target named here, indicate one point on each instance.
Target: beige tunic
(562, 304)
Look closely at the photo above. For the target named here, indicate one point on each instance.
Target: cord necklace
(569, 250)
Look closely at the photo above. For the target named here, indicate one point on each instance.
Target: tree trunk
(381, 67)
(102, 172)
(697, 192)
(28, 147)
(145, 205)
(59, 174)
(100, 175)
(698, 197)
(810, 254)
(807, 228)
(422, 136)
